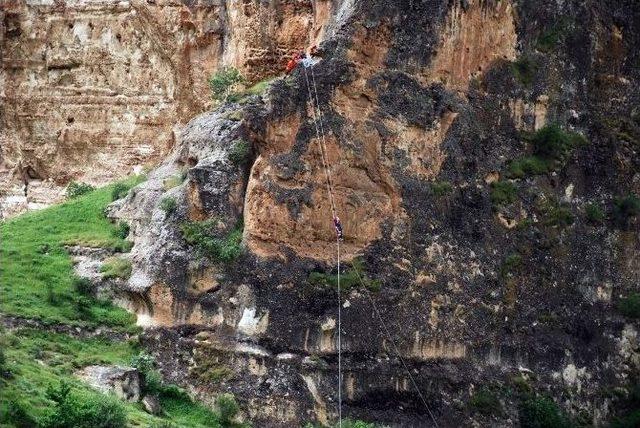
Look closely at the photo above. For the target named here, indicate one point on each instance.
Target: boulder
(124, 382)
(152, 405)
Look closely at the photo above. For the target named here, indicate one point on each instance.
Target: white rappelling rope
(325, 164)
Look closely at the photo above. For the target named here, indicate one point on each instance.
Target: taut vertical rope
(325, 164)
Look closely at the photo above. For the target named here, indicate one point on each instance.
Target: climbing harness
(320, 135)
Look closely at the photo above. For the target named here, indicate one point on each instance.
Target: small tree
(223, 81)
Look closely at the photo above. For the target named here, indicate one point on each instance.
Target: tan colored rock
(471, 39)
(92, 90)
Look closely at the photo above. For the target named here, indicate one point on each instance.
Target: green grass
(556, 214)
(260, 87)
(116, 267)
(36, 273)
(542, 412)
(550, 145)
(510, 265)
(626, 207)
(169, 205)
(39, 359)
(594, 213)
(529, 165)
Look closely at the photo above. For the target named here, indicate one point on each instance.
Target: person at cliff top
(293, 62)
(311, 58)
(338, 226)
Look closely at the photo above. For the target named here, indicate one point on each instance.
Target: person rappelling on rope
(338, 225)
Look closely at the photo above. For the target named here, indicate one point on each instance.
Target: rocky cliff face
(495, 274)
(93, 90)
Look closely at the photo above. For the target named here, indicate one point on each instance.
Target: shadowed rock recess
(468, 141)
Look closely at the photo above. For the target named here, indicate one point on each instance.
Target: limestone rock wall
(93, 90)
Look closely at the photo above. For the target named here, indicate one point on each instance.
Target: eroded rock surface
(94, 90)
(422, 105)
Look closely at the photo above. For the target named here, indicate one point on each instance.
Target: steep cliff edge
(485, 157)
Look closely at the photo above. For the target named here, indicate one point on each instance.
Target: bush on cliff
(223, 82)
(204, 237)
(550, 144)
(542, 412)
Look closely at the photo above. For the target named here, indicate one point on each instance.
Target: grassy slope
(36, 278)
(36, 272)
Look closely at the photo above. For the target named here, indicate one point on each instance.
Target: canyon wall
(95, 90)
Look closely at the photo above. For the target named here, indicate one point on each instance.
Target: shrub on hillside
(441, 188)
(486, 402)
(121, 230)
(82, 285)
(120, 190)
(626, 207)
(75, 189)
(82, 410)
(203, 236)
(524, 70)
(594, 213)
(16, 415)
(503, 193)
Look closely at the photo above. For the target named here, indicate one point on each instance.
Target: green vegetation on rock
(524, 70)
(626, 207)
(503, 193)
(223, 82)
(594, 213)
(169, 205)
(203, 236)
(542, 412)
(441, 188)
(239, 153)
(550, 145)
(630, 306)
(486, 402)
(348, 279)
(175, 180)
(116, 267)
(119, 191)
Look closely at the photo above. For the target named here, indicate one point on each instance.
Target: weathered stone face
(423, 103)
(93, 91)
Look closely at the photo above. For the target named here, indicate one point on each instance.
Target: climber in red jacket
(293, 62)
